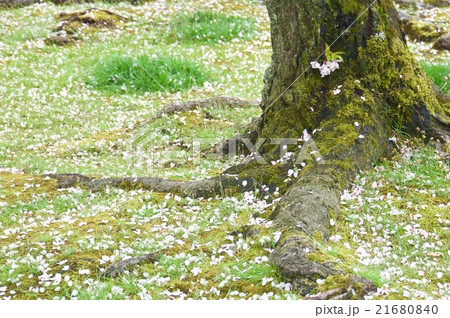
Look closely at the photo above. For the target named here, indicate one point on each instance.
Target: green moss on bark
(318, 257)
(341, 283)
(351, 6)
(391, 71)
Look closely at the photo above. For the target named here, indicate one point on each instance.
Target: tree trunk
(378, 87)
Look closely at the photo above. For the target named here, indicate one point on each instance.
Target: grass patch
(439, 73)
(146, 74)
(210, 27)
(394, 222)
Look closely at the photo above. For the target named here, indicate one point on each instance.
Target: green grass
(146, 74)
(439, 73)
(210, 27)
(399, 218)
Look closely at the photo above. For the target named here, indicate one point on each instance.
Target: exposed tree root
(293, 260)
(307, 206)
(75, 15)
(224, 185)
(242, 144)
(235, 144)
(356, 286)
(71, 23)
(17, 3)
(93, 17)
(119, 268)
(232, 102)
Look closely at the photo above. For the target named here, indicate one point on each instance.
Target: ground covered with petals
(56, 243)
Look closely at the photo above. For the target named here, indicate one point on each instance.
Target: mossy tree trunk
(377, 66)
(378, 87)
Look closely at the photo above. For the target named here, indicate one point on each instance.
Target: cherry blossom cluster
(326, 68)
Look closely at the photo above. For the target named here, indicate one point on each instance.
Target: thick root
(353, 287)
(291, 257)
(232, 102)
(221, 185)
(73, 16)
(295, 257)
(119, 268)
(307, 206)
(242, 144)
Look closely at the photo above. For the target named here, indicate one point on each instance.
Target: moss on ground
(21, 187)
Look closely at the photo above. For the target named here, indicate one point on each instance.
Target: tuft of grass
(210, 27)
(439, 73)
(146, 74)
(372, 274)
